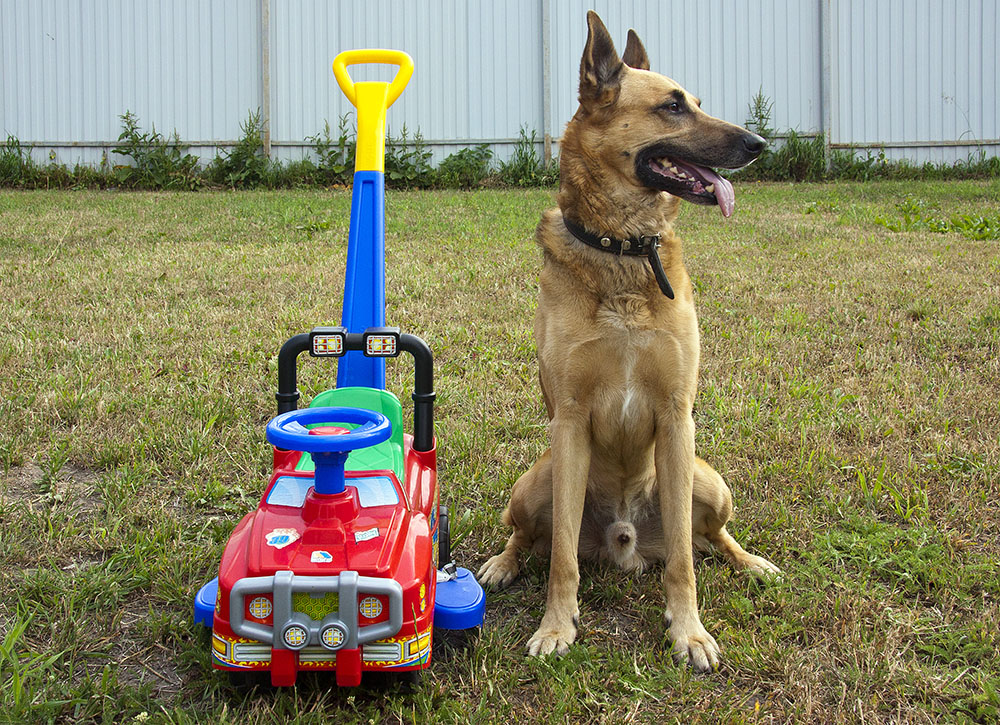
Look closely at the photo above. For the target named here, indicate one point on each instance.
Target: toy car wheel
(444, 537)
(449, 643)
(244, 681)
(410, 679)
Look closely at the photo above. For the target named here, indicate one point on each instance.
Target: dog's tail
(620, 543)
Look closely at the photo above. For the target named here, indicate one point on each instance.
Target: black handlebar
(423, 374)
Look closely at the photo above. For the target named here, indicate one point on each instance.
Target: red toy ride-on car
(345, 565)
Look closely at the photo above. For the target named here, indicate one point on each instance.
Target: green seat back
(387, 456)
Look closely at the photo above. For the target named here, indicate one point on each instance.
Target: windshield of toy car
(372, 491)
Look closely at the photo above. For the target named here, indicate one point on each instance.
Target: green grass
(848, 394)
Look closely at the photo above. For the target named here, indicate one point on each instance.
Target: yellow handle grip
(373, 55)
(372, 99)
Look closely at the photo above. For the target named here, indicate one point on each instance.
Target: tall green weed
(13, 163)
(157, 162)
(245, 166)
(465, 169)
(407, 162)
(335, 155)
(525, 167)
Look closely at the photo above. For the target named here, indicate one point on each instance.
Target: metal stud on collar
(605, 242)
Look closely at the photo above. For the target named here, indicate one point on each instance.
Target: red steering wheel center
(328, 430)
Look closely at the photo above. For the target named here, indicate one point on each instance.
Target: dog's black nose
(754, 144)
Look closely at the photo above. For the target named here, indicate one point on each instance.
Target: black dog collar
(642, 246)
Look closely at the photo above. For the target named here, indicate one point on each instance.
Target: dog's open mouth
(697, 184)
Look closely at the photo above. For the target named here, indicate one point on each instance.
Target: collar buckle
(649, 241)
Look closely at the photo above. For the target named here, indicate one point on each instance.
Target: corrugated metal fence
(915, 77)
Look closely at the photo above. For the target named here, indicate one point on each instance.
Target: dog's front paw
(549, 639)
(499, 571)
(693, 645)
(761, 567)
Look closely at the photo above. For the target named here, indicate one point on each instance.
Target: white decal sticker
(321, 557)
(360, 536)
(280, 538)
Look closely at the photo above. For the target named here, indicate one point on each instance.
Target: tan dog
(618, 358)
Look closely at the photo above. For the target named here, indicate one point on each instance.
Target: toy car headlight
(327, 341)
(414, 646)
(260, 608)
(381, 341)
(370, 607)
(295, 634)
(333, 635)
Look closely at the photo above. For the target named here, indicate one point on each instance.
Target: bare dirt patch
(72, 486)
(140, 661)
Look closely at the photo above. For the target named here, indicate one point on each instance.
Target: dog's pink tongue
(724, 193)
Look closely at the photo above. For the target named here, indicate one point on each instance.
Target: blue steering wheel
(329, 452)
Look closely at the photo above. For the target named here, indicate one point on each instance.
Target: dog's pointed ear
(635, 53)
(600, 67)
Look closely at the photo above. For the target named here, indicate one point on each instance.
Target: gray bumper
(343, 624)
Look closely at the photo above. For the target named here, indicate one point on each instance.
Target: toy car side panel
(421, 478)
(234, 562)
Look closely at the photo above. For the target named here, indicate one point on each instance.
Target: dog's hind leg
(712, 508)
(529, 513)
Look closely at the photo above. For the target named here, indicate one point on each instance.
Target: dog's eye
(672, 107)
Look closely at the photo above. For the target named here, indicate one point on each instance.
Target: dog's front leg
(570, 432)
(675, 479)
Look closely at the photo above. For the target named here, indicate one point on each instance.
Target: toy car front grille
(315, 607)
(382, 652)
(371, 652)
(251, 652)
(315, 611)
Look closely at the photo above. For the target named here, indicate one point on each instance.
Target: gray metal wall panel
(916, 73)
(921, 71)
(476, 65)
(72, 67)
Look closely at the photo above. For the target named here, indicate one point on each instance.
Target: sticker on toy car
(321, 557)
(366, 535)
(280, 538)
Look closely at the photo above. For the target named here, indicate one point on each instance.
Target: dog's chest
(625, 387)
(622, 404)
(640, 367)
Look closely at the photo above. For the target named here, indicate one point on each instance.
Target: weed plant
(525, 167)
(336, 155)
(464, 169)
(14, 167)
(794, 157)
(407, 162)
(156, 162)
(245, 166)
(917, 215)
(19, 171)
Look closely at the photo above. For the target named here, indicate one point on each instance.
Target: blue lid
(459, 603)
(204, 603)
